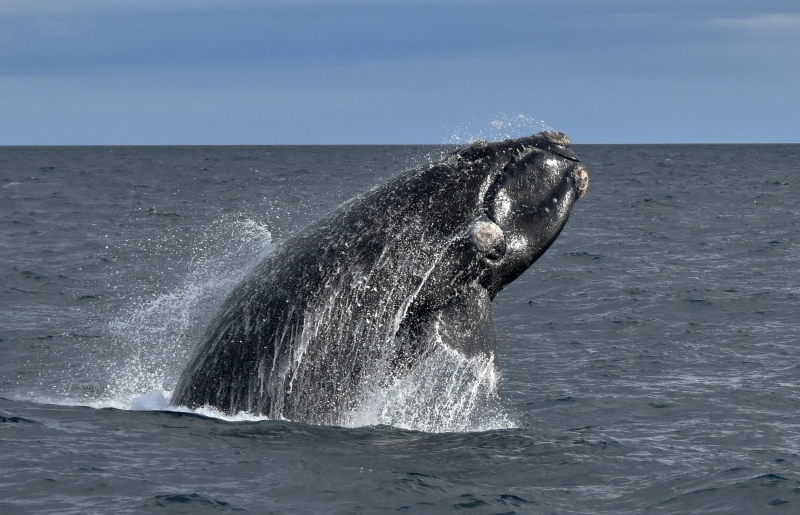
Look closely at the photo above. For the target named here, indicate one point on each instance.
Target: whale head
(512, 199)
(536, 181)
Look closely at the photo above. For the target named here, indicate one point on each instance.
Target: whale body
(360, 297)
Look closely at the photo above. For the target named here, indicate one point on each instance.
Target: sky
(174, 72)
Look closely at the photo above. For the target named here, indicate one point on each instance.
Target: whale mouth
(581, 178)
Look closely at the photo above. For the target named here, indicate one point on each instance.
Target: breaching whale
(360, 297)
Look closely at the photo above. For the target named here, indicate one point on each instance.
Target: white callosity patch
(486, 235)
(581, 181)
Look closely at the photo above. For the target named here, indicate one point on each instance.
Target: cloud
(274, 34)
(90, 7)
(787, 22)
(87, 36)
(338, 71)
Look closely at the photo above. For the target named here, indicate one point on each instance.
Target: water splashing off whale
(355, 304)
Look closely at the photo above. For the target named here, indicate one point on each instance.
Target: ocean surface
(650, 360)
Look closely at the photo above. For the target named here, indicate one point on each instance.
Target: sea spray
(501, 127)
(148, 341)
(446, 392)
(153, 335)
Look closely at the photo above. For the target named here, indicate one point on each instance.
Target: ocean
(649, 361)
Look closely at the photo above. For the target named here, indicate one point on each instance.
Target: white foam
(151, 401)
(159, 400)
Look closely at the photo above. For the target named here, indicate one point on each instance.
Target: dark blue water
(650, 360)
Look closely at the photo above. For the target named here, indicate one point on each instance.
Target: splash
(447, 392)
(154, 335)
(502, 127)
(151, 337)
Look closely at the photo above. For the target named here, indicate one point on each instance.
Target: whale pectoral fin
(466, 324)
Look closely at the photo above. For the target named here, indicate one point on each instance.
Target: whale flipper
(466, 324)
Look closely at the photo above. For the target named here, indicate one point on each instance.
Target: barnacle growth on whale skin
(581, 178)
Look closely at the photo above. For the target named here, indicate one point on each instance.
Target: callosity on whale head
(362, 296)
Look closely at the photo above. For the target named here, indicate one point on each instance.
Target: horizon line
(4, 145)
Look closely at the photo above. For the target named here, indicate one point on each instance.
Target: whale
(359, 298)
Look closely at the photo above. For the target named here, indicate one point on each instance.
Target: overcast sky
(416, 71)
